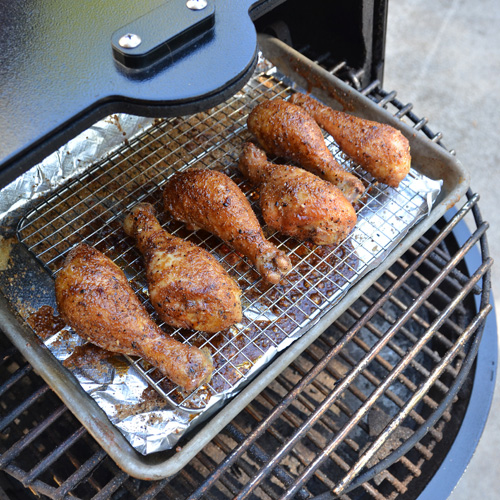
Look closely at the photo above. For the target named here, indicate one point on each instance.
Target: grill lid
(61, 68)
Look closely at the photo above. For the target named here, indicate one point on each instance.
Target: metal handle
(162, 32)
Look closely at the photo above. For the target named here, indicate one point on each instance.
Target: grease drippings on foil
(45, 323)
(5, 248)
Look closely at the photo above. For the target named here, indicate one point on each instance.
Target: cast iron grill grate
(45, 448)
(56, 456)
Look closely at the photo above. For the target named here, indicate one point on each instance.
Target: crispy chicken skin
(95, 299)
(187, 286)
(210, 200)
(296, 202)
(286, 130)
(380, 149)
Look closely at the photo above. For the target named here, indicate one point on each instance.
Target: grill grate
(44, 446)
(91, 208)
(296, 413)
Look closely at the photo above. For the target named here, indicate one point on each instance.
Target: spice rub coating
(188, 287)
(296, 202)
(95, 299)
(286, 130)
(380, 149)
(210, 200)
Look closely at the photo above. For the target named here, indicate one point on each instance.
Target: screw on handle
(154, 37)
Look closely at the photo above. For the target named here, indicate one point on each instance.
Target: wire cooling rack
(91, 209)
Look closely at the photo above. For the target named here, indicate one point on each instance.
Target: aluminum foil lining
(67, 162)
(148, 421)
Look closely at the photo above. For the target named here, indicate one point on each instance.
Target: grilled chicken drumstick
(296, 202)
(380, 149)
(286, 130)
(95, 299)
(210, 200)
(187, 286)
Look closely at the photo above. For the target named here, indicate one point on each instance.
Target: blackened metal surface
(351, 34)
(58, 74)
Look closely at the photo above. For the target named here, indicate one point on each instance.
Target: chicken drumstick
(296, 202)
(187, 286)
(286, 130)
(380, 149)
(95, 299)
(210, 200)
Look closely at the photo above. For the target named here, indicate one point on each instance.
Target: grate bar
(358, 393)
(4, 422)
(436, 373)
(231, 482)
(295, 422)
(334, 429)
(53, 456)
(260, 456)
(387, 382)
(388, 98)
(154, 489)
(292, 419)
(404, 111)
(37, 485)
(81, 472)
(436, 261)
(18, 447)
(18, 375)
(390, 394)
(422, 322)
(111, 487)
(400, 352)
(375, 84)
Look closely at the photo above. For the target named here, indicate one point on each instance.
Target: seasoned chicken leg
(286, 130)
(296, 202)
(210, 200)
(380, 149)
(95, 299)
(187, 286)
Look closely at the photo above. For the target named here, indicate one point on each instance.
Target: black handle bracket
(163, 31)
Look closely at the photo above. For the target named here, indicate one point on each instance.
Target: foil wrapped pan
(72, 196)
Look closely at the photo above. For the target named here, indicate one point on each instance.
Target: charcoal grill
(371, 408)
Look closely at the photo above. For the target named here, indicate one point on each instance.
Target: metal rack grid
(56, 457)
(91, 208)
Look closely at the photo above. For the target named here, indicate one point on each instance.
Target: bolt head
(129, 41)
(196, 4)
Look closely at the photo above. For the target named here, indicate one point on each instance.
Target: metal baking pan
(427, 158)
